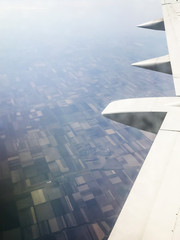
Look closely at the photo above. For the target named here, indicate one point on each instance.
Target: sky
(66, 21)
(36, 28)
(73, 16)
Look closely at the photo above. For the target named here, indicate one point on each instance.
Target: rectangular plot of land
(52, 193)
(52, 154)
(16, 175)
(24, 202)
(14, 234)
(38, 196)
(107, 208)
(130, 159)
(61, 167)
(44, 212)
(83, 188)
(53, 225)
(98, 231)
(80, 180)
(88, 197)
(27, 217)
(25, 156)
(115, 180)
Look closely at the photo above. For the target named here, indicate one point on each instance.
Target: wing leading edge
(152, 209)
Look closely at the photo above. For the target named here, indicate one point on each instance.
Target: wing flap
(143, 113)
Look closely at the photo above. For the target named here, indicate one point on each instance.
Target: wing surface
(171, 13)
(152, 209)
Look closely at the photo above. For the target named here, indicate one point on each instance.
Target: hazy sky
(84, 15)
(35, 24)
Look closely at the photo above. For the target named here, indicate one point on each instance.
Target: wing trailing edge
(148, 114)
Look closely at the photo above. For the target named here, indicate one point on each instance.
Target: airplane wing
(152, 209)
(171, 12)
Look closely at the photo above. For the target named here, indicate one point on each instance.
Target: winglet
(160, 64)
(155, 25)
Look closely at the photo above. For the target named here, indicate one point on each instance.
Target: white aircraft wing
(171, 13)
(152, 209)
